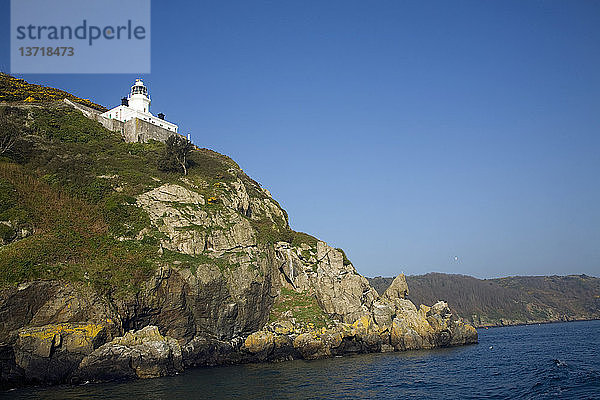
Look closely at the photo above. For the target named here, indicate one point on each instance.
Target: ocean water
(552, 361)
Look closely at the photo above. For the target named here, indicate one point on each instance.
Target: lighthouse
(138, 97)
(137, 106)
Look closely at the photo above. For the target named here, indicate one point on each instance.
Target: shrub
(13, 143)
(13, 89)
(346, 260)
(175, 157)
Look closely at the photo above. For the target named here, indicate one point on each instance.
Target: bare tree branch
(9, 134)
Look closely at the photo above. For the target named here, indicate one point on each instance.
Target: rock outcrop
(139, 354)
(409, 329)
(40, 303)
(51, 353)
(397, 290)
(78, 352)
(320, 270)
(210, 301)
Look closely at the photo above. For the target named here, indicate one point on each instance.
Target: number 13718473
(46, 51)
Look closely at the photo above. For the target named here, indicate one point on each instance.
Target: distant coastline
(538, 323)
(517, 300)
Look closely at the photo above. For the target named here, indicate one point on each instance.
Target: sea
(548, 361)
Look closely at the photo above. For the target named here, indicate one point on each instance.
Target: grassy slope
(75, 191)
(300, 306)
(75, 215)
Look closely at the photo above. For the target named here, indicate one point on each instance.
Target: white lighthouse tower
(138, 97)
(137, 106)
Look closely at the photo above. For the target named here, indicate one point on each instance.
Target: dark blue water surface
(553, 361)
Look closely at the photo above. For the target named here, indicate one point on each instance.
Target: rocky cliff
(110, 268)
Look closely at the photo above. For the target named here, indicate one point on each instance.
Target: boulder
(140, 354)
(284, 348)
(383, 314)
(397, 290)
(260, 342)
(463, 333)
(403, 337)
(281, 327)
(49, 354)
(311, 346)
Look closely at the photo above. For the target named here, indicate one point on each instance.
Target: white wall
(124, 113)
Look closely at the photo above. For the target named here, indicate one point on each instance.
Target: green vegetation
(175, 156)
(81, 157)
(300, 238)
(13, 89)
(269, 232)
(71, 242)
(75, 189)
(65, 191)
(305, 254)
(67, 125)
(303, 307)
(346, 261)
(8, 196)
(12, 141)
(11, 211)
(122, 216)
(7, 233)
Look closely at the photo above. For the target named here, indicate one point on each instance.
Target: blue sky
(408, 133)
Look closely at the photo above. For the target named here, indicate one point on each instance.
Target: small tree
(9, 134)
(175, 155)
(13, 141)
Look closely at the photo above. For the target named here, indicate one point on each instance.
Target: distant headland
(513, 300)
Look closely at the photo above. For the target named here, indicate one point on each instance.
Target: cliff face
(508, 301)
(113, 269)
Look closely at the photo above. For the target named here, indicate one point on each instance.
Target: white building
(137, 105)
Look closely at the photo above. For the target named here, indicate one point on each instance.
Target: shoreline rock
(51, 353)
(75, 353)
(139, 354)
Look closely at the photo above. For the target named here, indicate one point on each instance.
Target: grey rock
(50, 354)
(140, 354)
(397, 290)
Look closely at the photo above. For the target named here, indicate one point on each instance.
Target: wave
(560, 379)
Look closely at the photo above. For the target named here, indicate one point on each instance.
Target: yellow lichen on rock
(259, 341)
(283, 327)
(79, 338)
(364, 325)
(49, 331)
(311, 346)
